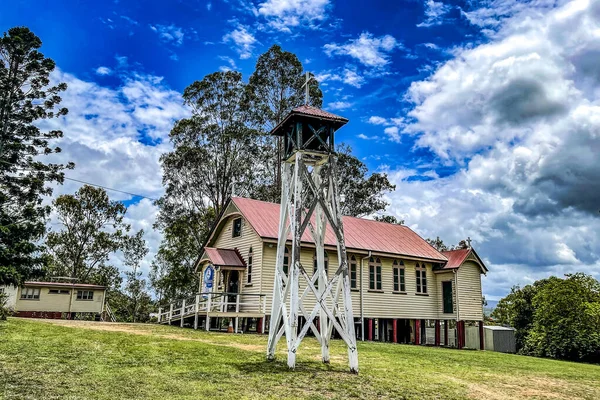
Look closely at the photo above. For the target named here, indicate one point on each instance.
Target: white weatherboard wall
(11, 291)
(50, 302)
(469, 292)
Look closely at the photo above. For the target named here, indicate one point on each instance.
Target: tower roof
(310, 112)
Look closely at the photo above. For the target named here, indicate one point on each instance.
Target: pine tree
(26, 97)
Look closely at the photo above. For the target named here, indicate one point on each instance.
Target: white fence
(207, 303)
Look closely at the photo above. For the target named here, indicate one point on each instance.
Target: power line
(93, 184)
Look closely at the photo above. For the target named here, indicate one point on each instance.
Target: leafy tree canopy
(390, 219)
(92, 230)
(26, 96)
(557, 318)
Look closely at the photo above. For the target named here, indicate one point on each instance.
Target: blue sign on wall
(209, 274)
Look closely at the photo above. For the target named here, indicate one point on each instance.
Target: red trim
(445, 332)
(259, 325)
(395, 331)
(370, 333)
(417, 332)
(40, 314)
(437, 332)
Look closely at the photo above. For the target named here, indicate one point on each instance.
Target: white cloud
(282, 15)
(347, 74)
(339, 105)
(231, 64)
(392, 133)
(375, 120)
(431, 46)
(392, 128)
(169, 33)
(243, 41)
(103, 71)
(352, 78)
(116, 136)
(369, 50)
(208, 6)
(434, 11)
(518, 119)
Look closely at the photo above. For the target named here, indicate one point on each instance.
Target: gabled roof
(224, 257)
(310, 111)
(359, 233)
(457, 257)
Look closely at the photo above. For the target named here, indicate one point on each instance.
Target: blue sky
(484, 114)
(185, 40)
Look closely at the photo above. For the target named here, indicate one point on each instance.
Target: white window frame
(86, 295)
(30, 293)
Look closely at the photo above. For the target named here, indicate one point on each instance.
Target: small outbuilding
(55, 299)
(500, 338)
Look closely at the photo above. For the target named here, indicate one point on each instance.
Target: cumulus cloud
(369, 50)
(115, 136)
(283, 15)
(169, 33)
(242, 40)
(392, 128)
(339, 105)
(103, 71)
(434, 13)
(347, 75)
(518, 117)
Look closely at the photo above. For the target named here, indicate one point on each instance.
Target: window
(286, 261)
(237, 228)
(399, 278)
(29, 293)
(447, 297)
(59, 291)
(315, 266)
(353, 282)
(85, 295)
(421, 278)
(249, 269)
(374, 274)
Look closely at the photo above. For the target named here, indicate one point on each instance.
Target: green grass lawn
(85, 360)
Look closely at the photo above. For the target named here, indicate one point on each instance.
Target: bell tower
(310, 212)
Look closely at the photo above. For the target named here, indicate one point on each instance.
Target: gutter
(362, 317)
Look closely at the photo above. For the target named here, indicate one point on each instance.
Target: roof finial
(469, 242)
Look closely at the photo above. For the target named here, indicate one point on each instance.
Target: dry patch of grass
(77, 359)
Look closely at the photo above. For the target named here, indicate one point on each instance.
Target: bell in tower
(310, 218)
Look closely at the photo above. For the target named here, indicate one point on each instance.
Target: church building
(403, 289)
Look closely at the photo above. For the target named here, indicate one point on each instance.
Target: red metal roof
(65, 285)
(317, 112)
(455, 257)
(311, 112)
(360, 233)
(224, 257)
(458, 256)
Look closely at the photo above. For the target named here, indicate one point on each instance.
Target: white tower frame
(309, 187)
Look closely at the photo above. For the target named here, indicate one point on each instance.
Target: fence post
(237, 310)
(264, 305)
(170, 313)
(196, 311)
(159, 314)
(208, 307)
(182, 312)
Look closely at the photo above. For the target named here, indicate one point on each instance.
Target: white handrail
(208, 302)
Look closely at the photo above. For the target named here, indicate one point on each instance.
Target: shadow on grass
(279, 366)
